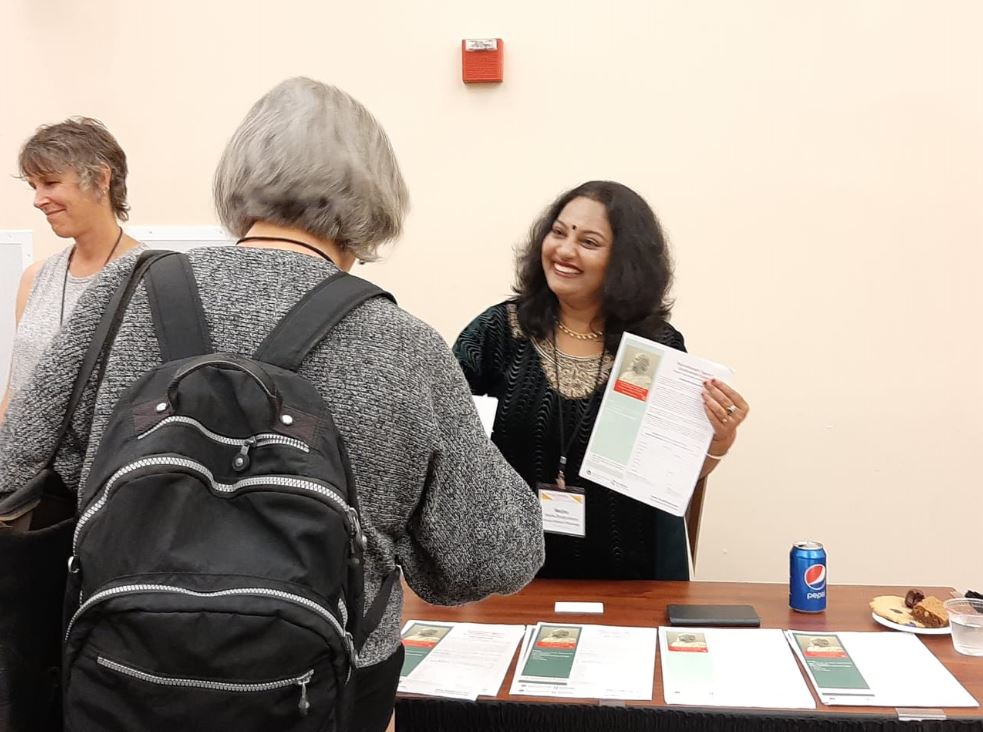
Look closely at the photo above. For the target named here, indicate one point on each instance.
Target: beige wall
(819, 167)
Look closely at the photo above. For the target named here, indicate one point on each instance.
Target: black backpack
(216, 578)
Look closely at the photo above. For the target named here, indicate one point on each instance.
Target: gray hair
(85, 145)
(309, 156)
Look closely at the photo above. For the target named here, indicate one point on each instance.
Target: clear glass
(966, 620)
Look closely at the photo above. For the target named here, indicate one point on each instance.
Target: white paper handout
(587, 662)
(731, 668)
(458, 660)
(877, 669)
(487, 409)
(651, 434)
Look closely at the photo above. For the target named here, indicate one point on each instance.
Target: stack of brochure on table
(876, 669)
(586, 661)
(457, 660)
(733, 667)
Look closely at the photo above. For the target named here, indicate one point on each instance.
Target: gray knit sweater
(436, 496)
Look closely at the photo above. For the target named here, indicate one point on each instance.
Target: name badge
(564, 511)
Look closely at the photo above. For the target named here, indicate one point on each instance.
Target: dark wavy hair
(638, 276)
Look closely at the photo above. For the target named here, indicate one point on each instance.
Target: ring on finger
(731, 409)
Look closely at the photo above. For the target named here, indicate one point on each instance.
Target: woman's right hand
(726, 410)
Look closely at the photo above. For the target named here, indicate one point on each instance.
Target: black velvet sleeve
(672, 338)
(482, 349)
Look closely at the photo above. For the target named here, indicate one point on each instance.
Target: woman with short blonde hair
(78, 172)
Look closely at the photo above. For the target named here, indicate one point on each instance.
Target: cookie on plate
(892, 607)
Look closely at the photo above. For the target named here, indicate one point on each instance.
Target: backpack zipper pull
(357, 534)
(356, 537)
(241, 461)
(304, 706)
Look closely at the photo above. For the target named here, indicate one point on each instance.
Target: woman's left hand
(725, 409)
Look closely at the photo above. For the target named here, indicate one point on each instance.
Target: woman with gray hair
(78, 173)
(310, 158)
(309, 182)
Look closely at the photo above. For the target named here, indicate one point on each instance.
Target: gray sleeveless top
(40, 321)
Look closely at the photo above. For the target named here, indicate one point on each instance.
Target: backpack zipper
(260, 440)
(303, 705)
(355, 529)
(343, 611)
(298, 600)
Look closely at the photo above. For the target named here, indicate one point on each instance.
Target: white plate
(910, 628)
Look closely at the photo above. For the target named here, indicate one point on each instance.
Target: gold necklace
(592, 336)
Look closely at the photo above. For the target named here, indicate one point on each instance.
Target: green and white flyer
(586, 661)
(457, 660)
(731, 667)
(876, 669)
(651, 434)
(419, 640)
(552, 653)
(828, 662)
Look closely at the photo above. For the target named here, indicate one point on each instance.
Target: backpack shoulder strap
(317, 312)
(175, 304)
(373, 616)
(102, 339)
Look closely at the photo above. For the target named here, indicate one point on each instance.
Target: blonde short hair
(308, 155)
(85, 145)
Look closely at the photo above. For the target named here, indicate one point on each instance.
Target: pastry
(931, 612)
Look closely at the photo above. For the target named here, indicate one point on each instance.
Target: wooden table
(644, 604)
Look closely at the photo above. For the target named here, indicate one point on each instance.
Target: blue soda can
(807, 577)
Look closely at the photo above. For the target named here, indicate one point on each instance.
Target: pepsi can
(807, 577)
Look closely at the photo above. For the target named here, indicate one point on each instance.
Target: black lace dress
(625, 539)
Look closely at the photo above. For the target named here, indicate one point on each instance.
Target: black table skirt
(446, 715)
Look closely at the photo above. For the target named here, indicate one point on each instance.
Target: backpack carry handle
(228, 361)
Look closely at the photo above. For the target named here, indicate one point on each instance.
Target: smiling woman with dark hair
(596, 266)
(635, 281)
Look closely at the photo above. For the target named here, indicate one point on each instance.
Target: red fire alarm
(482, 60)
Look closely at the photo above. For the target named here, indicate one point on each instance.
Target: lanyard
(565, 444)
(304, 244)
(64, 283)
